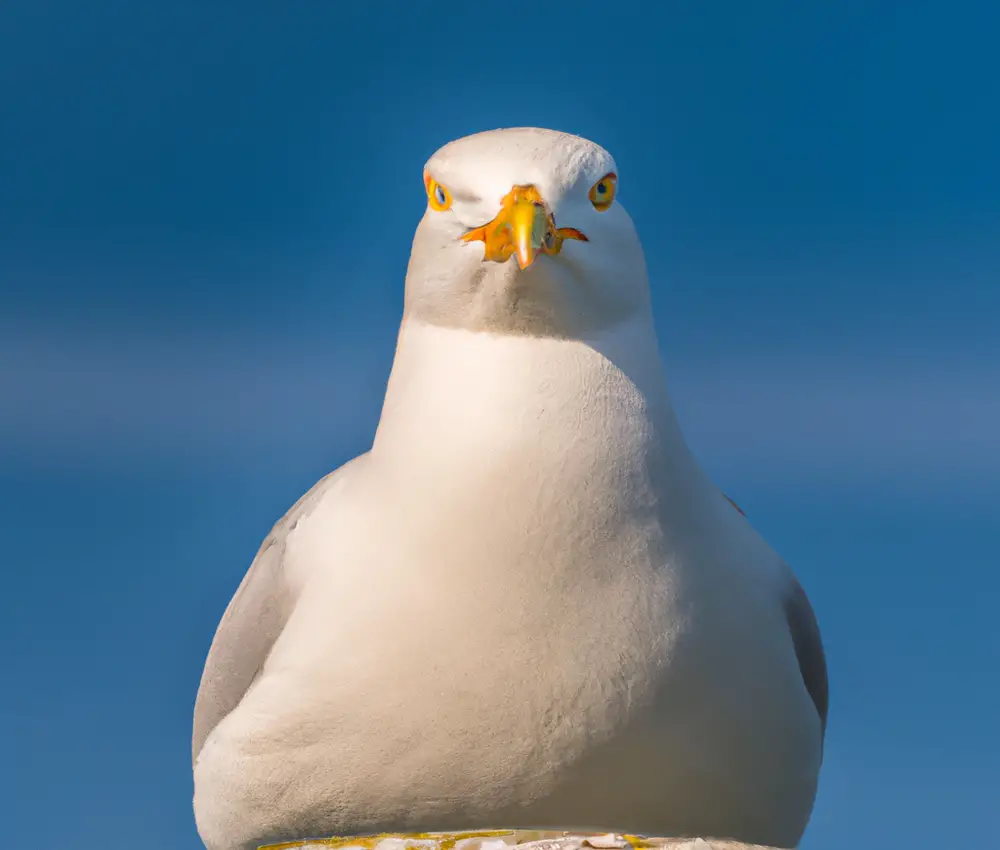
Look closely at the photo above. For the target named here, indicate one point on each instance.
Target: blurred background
(205, 216)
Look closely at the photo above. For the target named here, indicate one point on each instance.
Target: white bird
(526, 605)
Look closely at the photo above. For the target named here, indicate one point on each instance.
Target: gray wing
(254, 619)
(808, 646)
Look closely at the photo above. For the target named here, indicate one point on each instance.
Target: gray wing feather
(808, 646)
(253, 620)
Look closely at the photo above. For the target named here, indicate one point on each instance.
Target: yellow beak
(524, 228)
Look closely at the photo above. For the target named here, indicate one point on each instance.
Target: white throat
(520, 405)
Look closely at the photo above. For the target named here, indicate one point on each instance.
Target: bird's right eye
(437, 195)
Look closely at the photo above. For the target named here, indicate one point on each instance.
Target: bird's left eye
(602, 193)
(437, 195)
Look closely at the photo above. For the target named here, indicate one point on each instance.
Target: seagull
(527, 604)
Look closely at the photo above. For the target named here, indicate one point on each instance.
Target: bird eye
(437, 195)
(602, 193)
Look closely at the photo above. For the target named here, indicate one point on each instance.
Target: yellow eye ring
(437, 195)
(602, 193)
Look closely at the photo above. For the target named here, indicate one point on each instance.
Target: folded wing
(254, 619)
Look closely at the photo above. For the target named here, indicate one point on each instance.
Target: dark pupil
(601, 188)
(439, 194)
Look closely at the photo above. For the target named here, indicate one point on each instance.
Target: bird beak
(524, 228)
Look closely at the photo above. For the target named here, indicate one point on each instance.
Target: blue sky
(207, 210)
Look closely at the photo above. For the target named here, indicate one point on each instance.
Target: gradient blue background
(205, 215)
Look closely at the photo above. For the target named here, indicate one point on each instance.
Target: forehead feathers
(483, 167)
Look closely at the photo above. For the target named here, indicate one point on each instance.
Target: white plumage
(526, 605)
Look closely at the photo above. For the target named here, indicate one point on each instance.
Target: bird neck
(483, 401)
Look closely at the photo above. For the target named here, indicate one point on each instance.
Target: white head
(523, 235)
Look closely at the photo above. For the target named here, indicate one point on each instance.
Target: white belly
(647, 697)
(530, 610)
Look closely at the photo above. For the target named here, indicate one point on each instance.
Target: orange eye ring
(438, 196)
(602, 193)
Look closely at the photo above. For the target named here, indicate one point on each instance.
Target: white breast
(530, 562)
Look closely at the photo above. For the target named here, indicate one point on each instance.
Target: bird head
(524, 233)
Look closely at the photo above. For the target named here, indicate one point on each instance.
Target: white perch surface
(502, 839)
